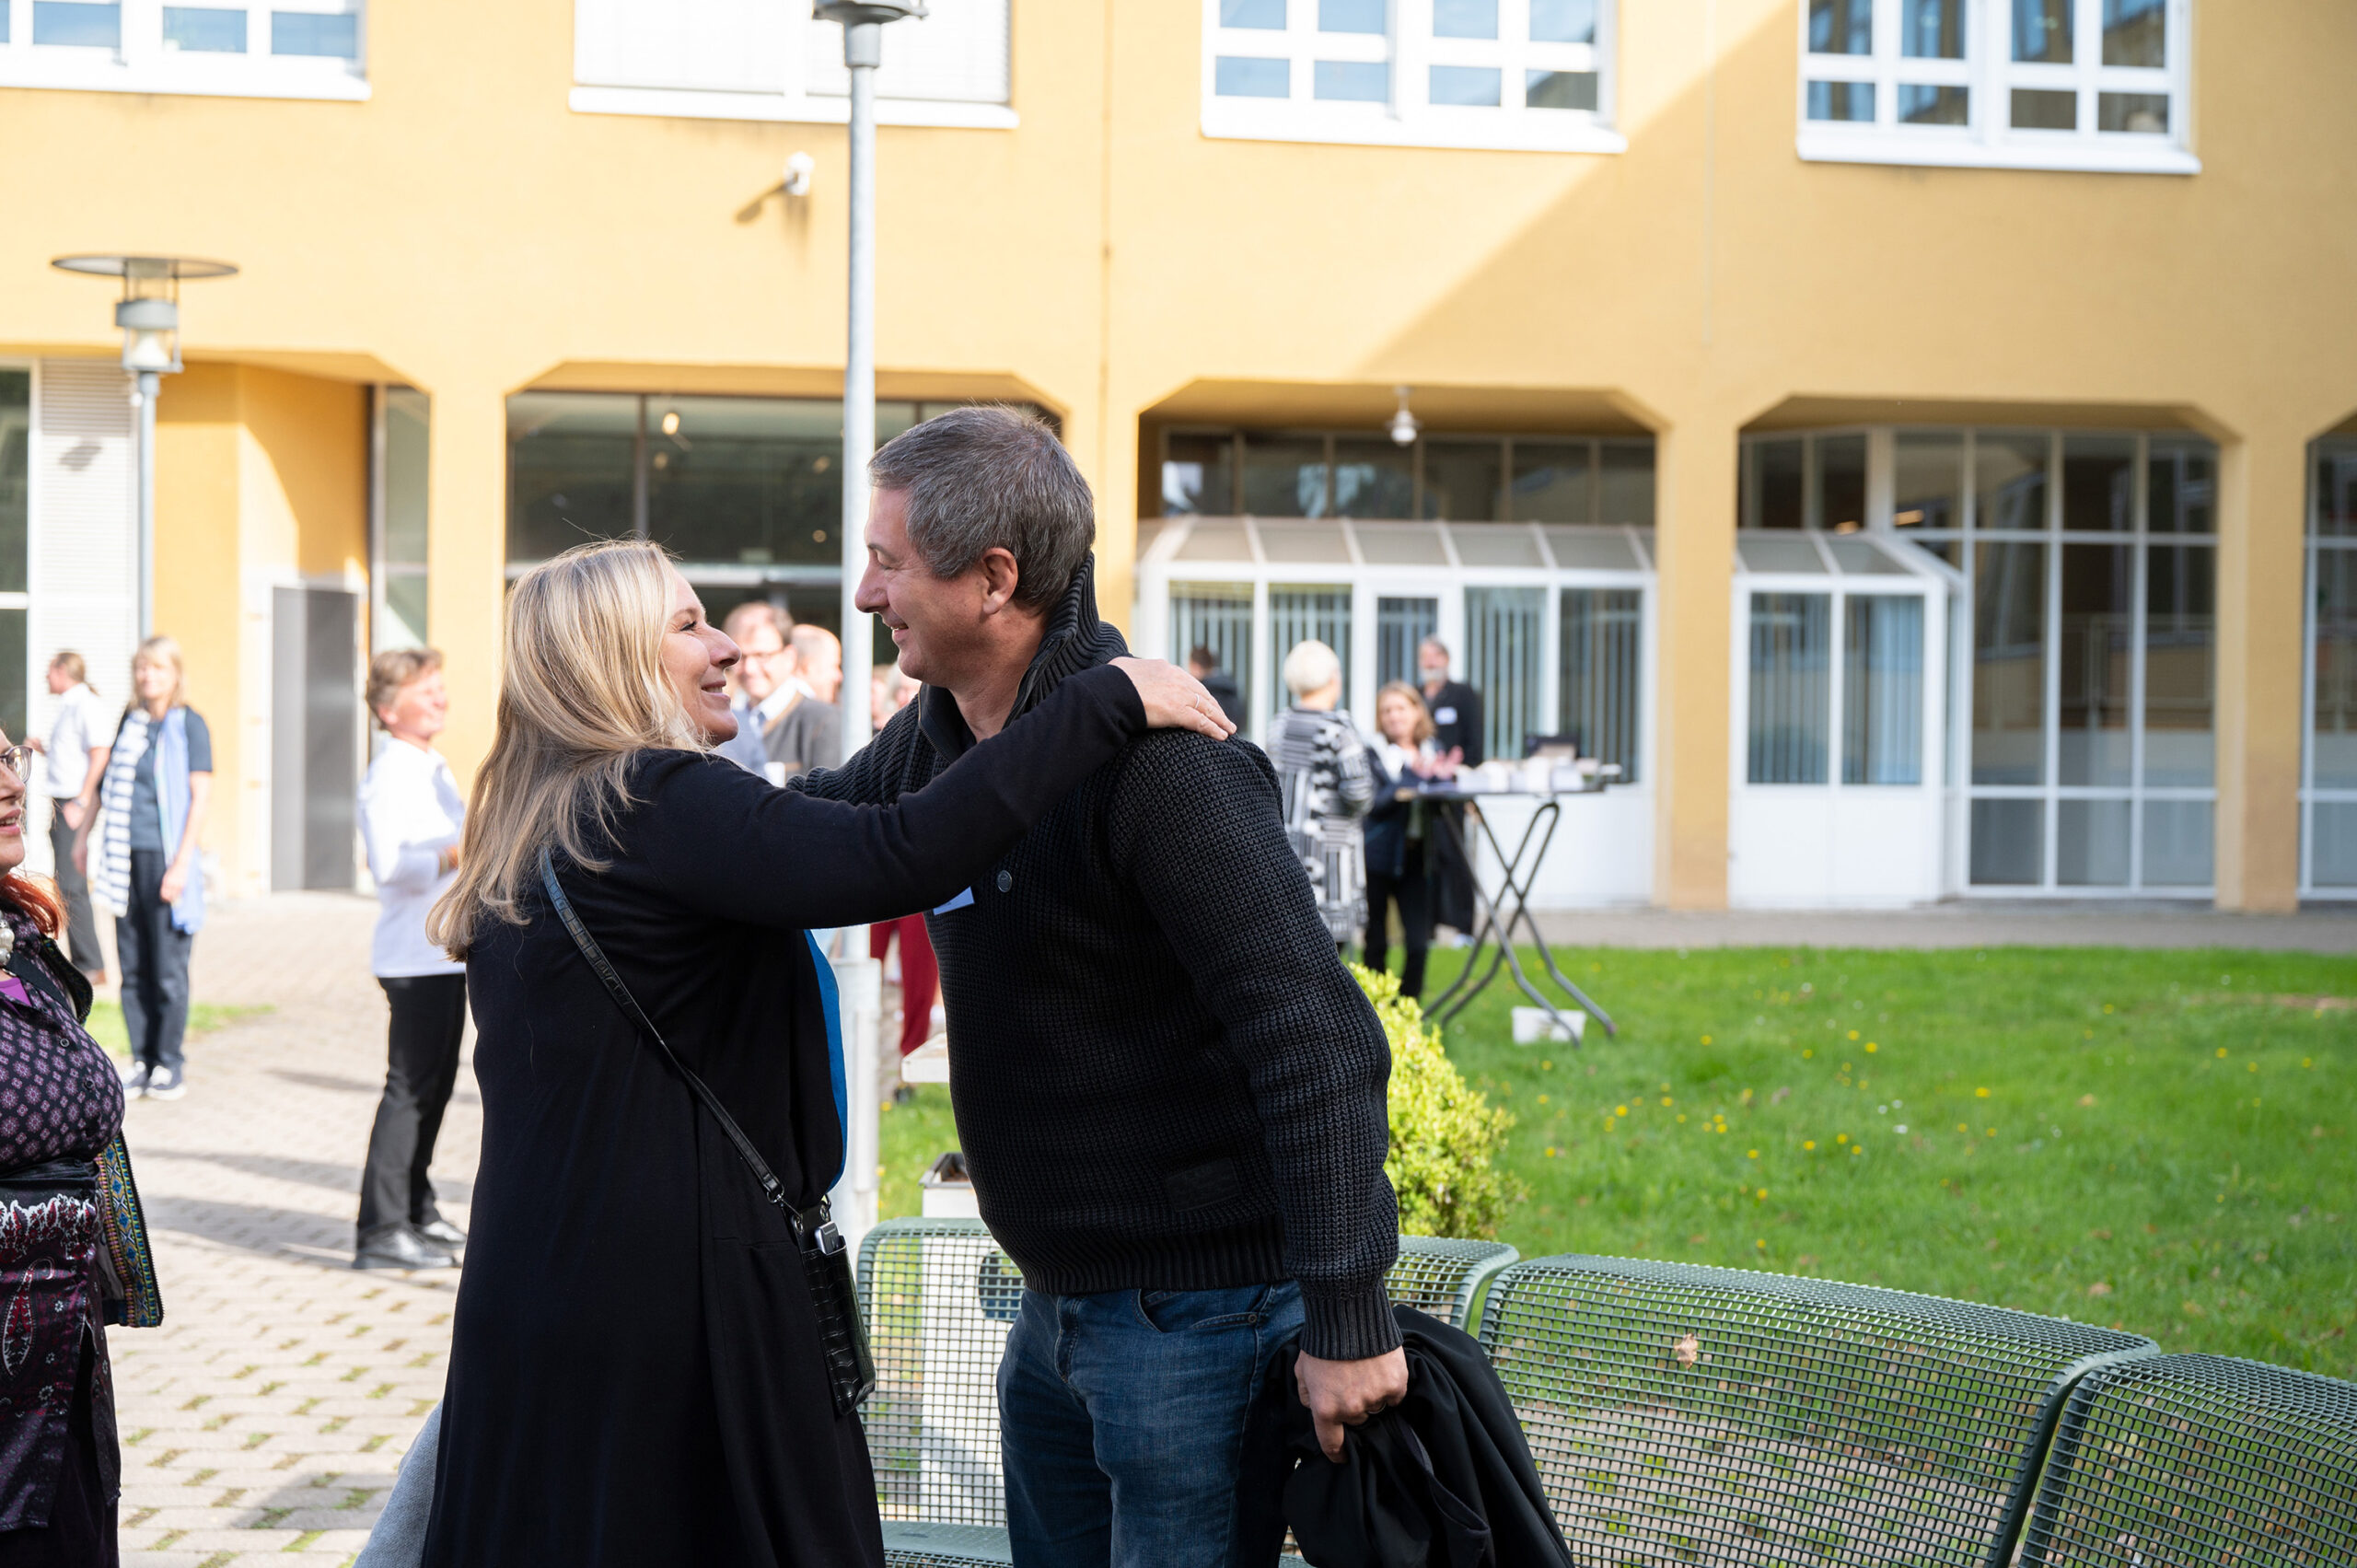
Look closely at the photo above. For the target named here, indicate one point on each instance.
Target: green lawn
(910, 1136)
(2158, 1141)
(203, 1017)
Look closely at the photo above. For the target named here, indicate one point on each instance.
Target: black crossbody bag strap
(850, 1369)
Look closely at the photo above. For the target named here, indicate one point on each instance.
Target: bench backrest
(1689, 1414)
(2187, 1460)
(938, 1298)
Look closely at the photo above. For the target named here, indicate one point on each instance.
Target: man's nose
(871, 597)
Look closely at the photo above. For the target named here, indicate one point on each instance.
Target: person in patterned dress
(61, 1111)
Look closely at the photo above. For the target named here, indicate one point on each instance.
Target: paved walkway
(266, 1416)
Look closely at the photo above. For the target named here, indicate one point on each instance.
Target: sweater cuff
(1347, 1324)
(1118, 693)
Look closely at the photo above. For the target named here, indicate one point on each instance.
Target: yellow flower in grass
(1808, 1143)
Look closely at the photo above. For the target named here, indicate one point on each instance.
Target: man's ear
(1001, 577)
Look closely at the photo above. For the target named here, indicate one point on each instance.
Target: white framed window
(757, 60)
(1531, 75)
(2086, 85)
(312, 49)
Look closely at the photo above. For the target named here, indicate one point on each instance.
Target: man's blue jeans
(1133, 1429)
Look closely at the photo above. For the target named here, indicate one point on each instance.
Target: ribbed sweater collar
(1077, 639)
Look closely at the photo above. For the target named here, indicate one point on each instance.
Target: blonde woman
(151, 793)
(1398, 840)
(637, 1375)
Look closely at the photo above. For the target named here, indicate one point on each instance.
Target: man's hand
(175, 883)
(72, 811)
(1345, 1393)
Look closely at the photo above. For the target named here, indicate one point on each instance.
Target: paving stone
(265, 1419)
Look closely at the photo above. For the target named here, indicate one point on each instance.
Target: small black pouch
(826, 1261)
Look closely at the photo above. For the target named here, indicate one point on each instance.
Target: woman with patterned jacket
(1322, 767)
(70, 1236)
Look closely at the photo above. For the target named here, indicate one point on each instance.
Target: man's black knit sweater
(1162, 1078)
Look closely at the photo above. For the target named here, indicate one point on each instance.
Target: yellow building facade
(1900, 431)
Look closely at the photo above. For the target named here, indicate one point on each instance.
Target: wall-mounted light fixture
(149, 315)
(1404, 425)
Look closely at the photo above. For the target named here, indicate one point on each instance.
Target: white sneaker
(165, 1084)
(135, 1081)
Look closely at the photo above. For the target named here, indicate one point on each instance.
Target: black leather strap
(817, 1220)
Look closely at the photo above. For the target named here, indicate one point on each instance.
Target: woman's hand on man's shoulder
(1174, 699)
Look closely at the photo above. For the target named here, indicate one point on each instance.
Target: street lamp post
(859, 976)
(863, 24)
(149, 315)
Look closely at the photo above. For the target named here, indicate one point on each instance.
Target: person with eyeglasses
(139, 847)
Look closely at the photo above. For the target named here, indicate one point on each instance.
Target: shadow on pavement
(310, 1173)
(327, 1081)
(254, 1226)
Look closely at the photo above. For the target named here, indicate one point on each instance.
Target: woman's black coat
(1389, 851)
(634, 1378)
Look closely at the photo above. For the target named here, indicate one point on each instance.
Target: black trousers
(1412, 893)
(154, 966)
(422, 1067)
(81, 924)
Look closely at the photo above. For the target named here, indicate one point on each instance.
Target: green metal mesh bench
(1682, 1415)
(939, 1296)
(2185, 1461)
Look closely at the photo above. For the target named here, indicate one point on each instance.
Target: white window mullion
(141, 35)
(1886, 62)
(1411, 38)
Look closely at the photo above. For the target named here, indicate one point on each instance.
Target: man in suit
(1456, 707)
(806, 730)
(1456, 725)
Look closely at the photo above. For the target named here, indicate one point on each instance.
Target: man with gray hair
(1170, 1093)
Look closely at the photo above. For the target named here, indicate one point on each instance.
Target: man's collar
(778, 701)
(1076, 639)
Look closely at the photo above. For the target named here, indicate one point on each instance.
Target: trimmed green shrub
(1444, 1136)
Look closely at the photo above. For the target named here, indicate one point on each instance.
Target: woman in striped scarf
(139, 851)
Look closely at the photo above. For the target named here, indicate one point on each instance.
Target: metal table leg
(1499, 921)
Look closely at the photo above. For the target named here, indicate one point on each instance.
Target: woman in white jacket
(410, 815)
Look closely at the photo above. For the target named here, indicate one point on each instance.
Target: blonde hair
(581, 690)
(166, 652)
(75, 670)
(1422, 730)
(392, 671)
